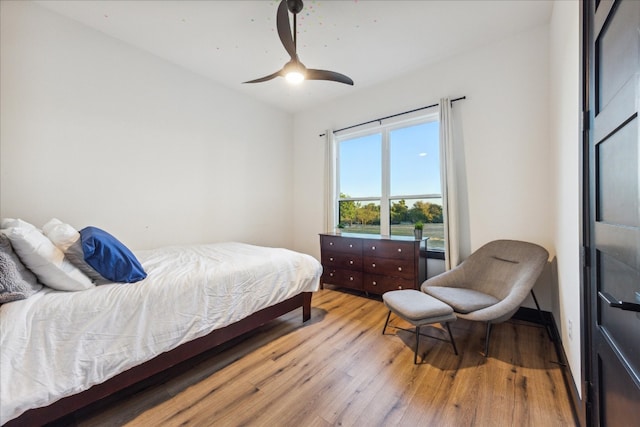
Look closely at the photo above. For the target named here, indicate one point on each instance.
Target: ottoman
(419, 309)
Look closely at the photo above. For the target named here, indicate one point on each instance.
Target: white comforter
(55, 344)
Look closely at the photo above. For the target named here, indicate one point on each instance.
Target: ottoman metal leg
(386, 323)
(453, 343)
(419, 309)
(486, 341)
(415, 353)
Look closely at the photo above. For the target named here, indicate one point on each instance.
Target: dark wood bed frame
(67, 405)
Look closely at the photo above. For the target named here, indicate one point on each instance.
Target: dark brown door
(614, 189)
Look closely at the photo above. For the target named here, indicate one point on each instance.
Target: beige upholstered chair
(491, 283)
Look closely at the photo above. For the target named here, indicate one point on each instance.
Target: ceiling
(371, 41)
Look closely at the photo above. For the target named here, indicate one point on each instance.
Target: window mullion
(386, 185)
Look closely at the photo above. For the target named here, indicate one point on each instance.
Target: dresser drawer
(341, 244)
(389, 249)
(377, 284)
(344, 278)
(403, 268)
(338, 260)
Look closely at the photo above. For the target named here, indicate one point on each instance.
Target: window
(389, 179)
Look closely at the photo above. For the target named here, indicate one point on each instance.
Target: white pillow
(62, 235)
(41, 256)
(67, 239)
(7, 222)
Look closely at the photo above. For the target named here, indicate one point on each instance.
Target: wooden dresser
(372, 263)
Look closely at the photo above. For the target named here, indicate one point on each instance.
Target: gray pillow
(75, 255)
(15, 279)
(12, 286)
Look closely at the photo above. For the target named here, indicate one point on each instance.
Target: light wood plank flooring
(338, 369)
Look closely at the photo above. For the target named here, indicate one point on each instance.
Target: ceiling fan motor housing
(295, 6)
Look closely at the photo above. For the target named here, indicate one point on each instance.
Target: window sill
(432, 254)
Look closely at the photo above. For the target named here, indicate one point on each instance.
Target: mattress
(55, 343)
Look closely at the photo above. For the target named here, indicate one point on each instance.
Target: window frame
(385, 198)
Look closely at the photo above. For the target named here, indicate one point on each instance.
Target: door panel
(617, 198)
(623, 282)
(619, 396)
(617, 52)
(623, 104)
(614, 212)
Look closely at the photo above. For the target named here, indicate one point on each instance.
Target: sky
(414, 156)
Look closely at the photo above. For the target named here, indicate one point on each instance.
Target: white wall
(502, 126)
(96, 132)
(564, 86)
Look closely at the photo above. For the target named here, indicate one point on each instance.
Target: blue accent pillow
(109, 257)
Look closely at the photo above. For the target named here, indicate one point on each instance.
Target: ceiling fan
(294, 70)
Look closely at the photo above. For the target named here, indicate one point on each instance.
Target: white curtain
(449, 187)
(330, 220)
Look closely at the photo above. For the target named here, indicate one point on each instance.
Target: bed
(63, 350)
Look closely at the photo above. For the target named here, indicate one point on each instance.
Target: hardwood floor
(338, 369)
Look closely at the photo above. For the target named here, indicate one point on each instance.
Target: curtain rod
(394, 115)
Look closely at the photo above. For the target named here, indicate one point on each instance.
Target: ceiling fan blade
(288, 37)
(284, 29)
(265, 78)
(328, 75)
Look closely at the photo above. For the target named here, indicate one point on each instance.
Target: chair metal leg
(542, 319)
(453, 343)
(415, 353)
(386, 323)
(486, 342)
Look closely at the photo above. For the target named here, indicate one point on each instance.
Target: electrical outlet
(570, 331)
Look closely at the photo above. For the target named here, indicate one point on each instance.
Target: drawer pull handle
(350, 246)
(399, 287)
(373, 248)
(330, 274)
(351, 262)
(330, 243)
(373, 265)
(399, 268)
(375, 283)
(399, 249)
(331, 259)
(351, 278)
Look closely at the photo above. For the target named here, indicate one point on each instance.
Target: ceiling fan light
(294, 77)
